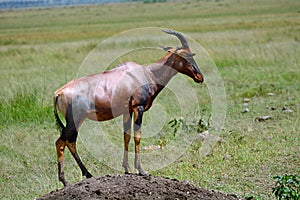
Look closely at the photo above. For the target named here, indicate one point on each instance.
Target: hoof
(66, 184)
(143, 174)
(88, 175)
(64, 181)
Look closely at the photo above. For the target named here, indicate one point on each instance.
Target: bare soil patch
(134, 187)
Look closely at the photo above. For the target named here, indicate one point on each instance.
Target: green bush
(287, 187)
(199, 125)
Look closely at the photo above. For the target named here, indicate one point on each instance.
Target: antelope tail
(60, 126)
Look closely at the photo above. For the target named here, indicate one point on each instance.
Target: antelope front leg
(125, 156)
(137, 159)
(138, 115)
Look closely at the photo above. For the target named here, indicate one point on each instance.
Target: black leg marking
(71, 134)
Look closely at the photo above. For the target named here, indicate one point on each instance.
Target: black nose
(199, 78)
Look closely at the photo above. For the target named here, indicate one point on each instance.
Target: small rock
(204, 135)
(10, 177)
(263, 118)
(246, 100)
(246, 110)
(227, 157)
(268, 138)
(225, 175)
(196, 166)
(151, 147)
(287, 110)
(271, 94)
(271, 108)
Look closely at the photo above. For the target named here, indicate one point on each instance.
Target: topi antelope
(125, 90)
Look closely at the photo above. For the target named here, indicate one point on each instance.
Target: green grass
(255, 45)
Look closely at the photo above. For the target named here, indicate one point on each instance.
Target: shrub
(287, 187)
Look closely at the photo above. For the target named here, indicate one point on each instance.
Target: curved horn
(182, 39)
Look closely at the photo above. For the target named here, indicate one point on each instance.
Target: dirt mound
(134, 187)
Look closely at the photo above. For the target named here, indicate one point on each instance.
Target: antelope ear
(166, 48)
(185, 54)
(191, 54)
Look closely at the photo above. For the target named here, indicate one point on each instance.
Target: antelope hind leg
(72, 148)
(60, 148)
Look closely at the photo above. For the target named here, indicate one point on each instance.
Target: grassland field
(254, 44)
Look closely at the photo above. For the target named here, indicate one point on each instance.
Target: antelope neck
(163, 70)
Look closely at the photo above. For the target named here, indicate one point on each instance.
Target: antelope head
(184, 57)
